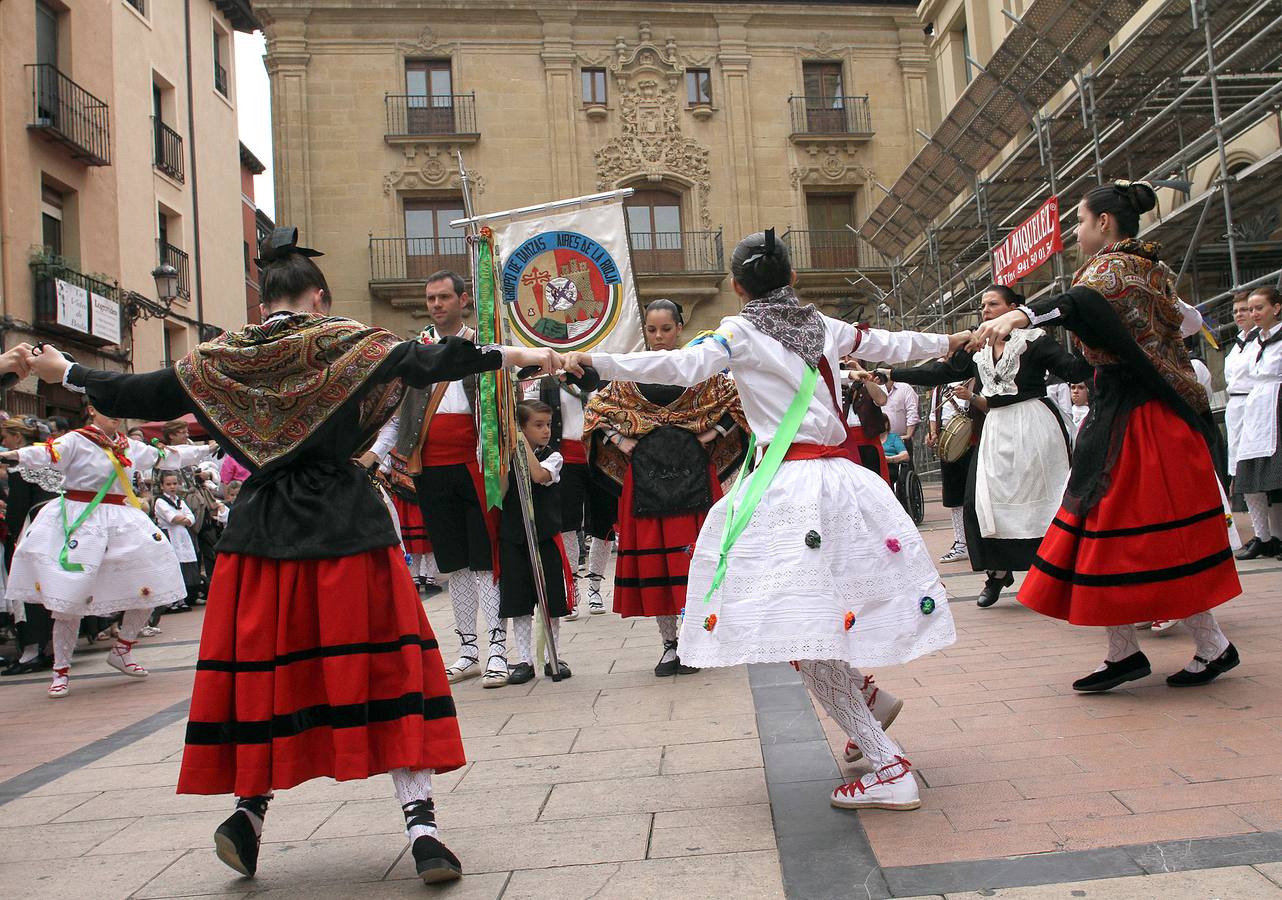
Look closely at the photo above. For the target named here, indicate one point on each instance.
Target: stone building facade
(723, 117)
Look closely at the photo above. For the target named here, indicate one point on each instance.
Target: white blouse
(86, 465)
(1260, 416)
(179, 535)
(769, 376)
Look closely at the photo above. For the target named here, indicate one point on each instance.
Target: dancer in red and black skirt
(1141, 534)
(669, 447)
(316, 658)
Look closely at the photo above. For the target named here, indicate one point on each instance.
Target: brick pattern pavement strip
(618, 784)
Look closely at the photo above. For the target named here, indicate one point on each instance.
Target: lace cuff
(1034, 319)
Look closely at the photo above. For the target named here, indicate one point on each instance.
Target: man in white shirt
(901, 408)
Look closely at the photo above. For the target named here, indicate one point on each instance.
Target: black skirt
(517, 594)
(952, 476)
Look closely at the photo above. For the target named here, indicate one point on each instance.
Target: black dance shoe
(1255, 548)
(1114, 673)
(40, 663)
(434, 861)
(993, 590)
(565, 670)
(236, 843)
(521, 673)
(1214, 669)
(672, 666)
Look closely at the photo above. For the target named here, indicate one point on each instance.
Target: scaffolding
(1189, 80)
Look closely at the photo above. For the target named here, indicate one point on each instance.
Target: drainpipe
(195, 179)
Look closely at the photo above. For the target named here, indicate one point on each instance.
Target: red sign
(1032, 243)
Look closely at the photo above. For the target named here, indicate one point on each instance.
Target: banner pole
(521, 469)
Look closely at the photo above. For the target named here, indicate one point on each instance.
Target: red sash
(574, 452)
(815, 451)
(451, 440)
(87, 497)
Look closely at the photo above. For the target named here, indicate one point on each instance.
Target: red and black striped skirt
(653, 564)
(313, 668)
(413, 532)
(1156, 545)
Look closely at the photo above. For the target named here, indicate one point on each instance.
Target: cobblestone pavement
(618, 784)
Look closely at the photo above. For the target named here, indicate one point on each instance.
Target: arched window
(654, 227)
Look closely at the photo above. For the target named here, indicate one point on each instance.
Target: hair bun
(1139, 194)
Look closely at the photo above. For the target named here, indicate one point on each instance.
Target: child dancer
(93, 552)
(175, 517)
(814, 560)
(516, 579)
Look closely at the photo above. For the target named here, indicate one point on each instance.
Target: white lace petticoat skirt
(829, 567)
(127, 563)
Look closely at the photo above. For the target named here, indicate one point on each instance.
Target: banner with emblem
(565, 274)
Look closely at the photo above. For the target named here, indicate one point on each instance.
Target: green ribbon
(69, 529)
(487, 332)
(737, 518)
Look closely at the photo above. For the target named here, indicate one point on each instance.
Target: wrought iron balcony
(678, 252)
(72, 303)
(64, 112)
(835, 250)
(830, 117)
(168, 156)
(170, 254)
(421, 115)
(399, 260)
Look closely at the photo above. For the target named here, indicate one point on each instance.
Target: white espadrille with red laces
(890, 787)
(61, 682)
(884, 706)
(120, 658)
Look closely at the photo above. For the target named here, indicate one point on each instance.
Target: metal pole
(520, 465)
(1218, 126)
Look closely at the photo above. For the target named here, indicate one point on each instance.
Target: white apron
(1259, 433)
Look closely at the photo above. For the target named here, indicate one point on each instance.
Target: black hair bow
(281, 243)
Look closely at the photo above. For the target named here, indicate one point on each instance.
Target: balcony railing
(220, 79)
(839, 249)
(439, 114)
(178, 259)
(678, 252)
(413, 259)
(168, 149)
(63, 111)
(830, 116)
(70, 302)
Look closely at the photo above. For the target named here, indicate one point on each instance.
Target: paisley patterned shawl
(621, 405)
(1130, 275)
(269, 387)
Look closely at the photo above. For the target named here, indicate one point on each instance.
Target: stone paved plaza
(617, 784)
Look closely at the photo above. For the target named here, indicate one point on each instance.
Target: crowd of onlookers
(190, 506)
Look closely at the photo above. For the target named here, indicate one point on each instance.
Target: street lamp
(166, 283)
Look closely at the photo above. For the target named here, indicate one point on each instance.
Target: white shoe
(572, 615)
(149, 631)
(462, 670)
(884, 706)
(891, 787)
(121, 659)
(495, 678)
(61, 683)
(1164, 624)
(596, 606)
(956, 553)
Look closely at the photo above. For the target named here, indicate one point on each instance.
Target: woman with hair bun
(1018, 470)
(1141, 534)
(668, 446)
(810, 559)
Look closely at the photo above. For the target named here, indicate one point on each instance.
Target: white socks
(1123, 641)
(959, 525)
(414, 793)
(65, 633)
(463, 597)
(489, 592)
(838, 688)
(598, 558)
(669, 628)
(523, 634)
(571, 541)
(1257, 506)
(1209, 642)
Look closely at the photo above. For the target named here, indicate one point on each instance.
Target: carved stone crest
(651, 145)
(427, 167)
(831, 164)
